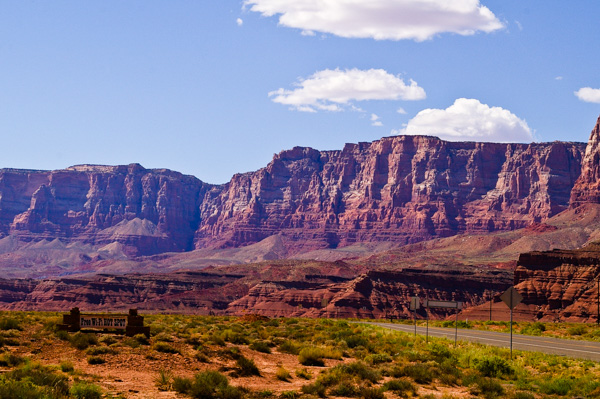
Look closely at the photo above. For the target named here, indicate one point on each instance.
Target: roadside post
(448, 305)
(415, 304)
(511, 298)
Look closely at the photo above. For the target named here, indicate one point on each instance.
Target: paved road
(564, 347)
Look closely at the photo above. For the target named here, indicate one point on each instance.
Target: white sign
(100, 321)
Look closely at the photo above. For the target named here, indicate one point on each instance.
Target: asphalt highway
(564, 347)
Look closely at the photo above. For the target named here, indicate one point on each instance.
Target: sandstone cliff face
(149, 210)
(587, 187)
(560, 285)
(400, 189)
(403, 189)
(375, 294)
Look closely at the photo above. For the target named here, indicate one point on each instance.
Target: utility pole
(598, 301)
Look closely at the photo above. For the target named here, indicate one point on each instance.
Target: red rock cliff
(151, 210)
(404, 189)
(587, 187)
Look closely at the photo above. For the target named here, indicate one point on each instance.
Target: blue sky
(215, 87)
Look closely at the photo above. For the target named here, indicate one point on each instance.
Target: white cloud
(469, 120)
(334, 90)
(401, 111)
(558, 78)
(381, 19)
(375, 120)
(239, 22)
(588, 95)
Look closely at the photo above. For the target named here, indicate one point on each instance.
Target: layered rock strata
(560, 285)
(401, 189)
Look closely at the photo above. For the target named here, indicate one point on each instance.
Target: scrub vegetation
(255, 357)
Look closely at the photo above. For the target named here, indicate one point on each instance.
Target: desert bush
(207, 385)
(234, 337)
(9, 323)
(142, 339)
(164, 347)
(378, 358)
(493, 366)
(85, 390)
(11, 389)
(316, 388)
(356, 340)
(359, 370)
(313, 356)
(164, 380)
(371, 393)
(66, 366)
(83, 341)
(282, 374)
(289, 395)
(488, 388)
(100, 350)
(41, 376)
(246, 367)
(95, 360)
(400, 387)
(421, 373)
(290, 347)
(557, 386)
(108, 340)
(577, 330)
(345, 389)
(260, 346)
(303, 373)
(9, 359)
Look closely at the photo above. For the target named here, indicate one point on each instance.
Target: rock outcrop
(587, 187)
(560, 285)
(149, 211)
(403, 189)
(400, 189)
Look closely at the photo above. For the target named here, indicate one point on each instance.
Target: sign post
(448, 305)
(511, 298)
(415, 304)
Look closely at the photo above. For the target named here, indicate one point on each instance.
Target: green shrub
(378, 358)
(400, 387)
(345, 389)
(100, 350)
(313, 356)
(359, 370)
(164, 380)
(246, 367)
(316, 388)
(488, 388)
(260, 346)
(142, 339)
(282, 374)
(493, 366)
(164, 347)
(84, 390)
(371, 393)
(419, 372)
(557, 386)
(67, 366)
(289, 347)
(83, 341)
(9, 359)
(41, 376)
(577, 330)
(95, 360)
(207, 385)
(304, 374)
(8, 323)
(11, 389)
(289, 395)
(356, 340)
